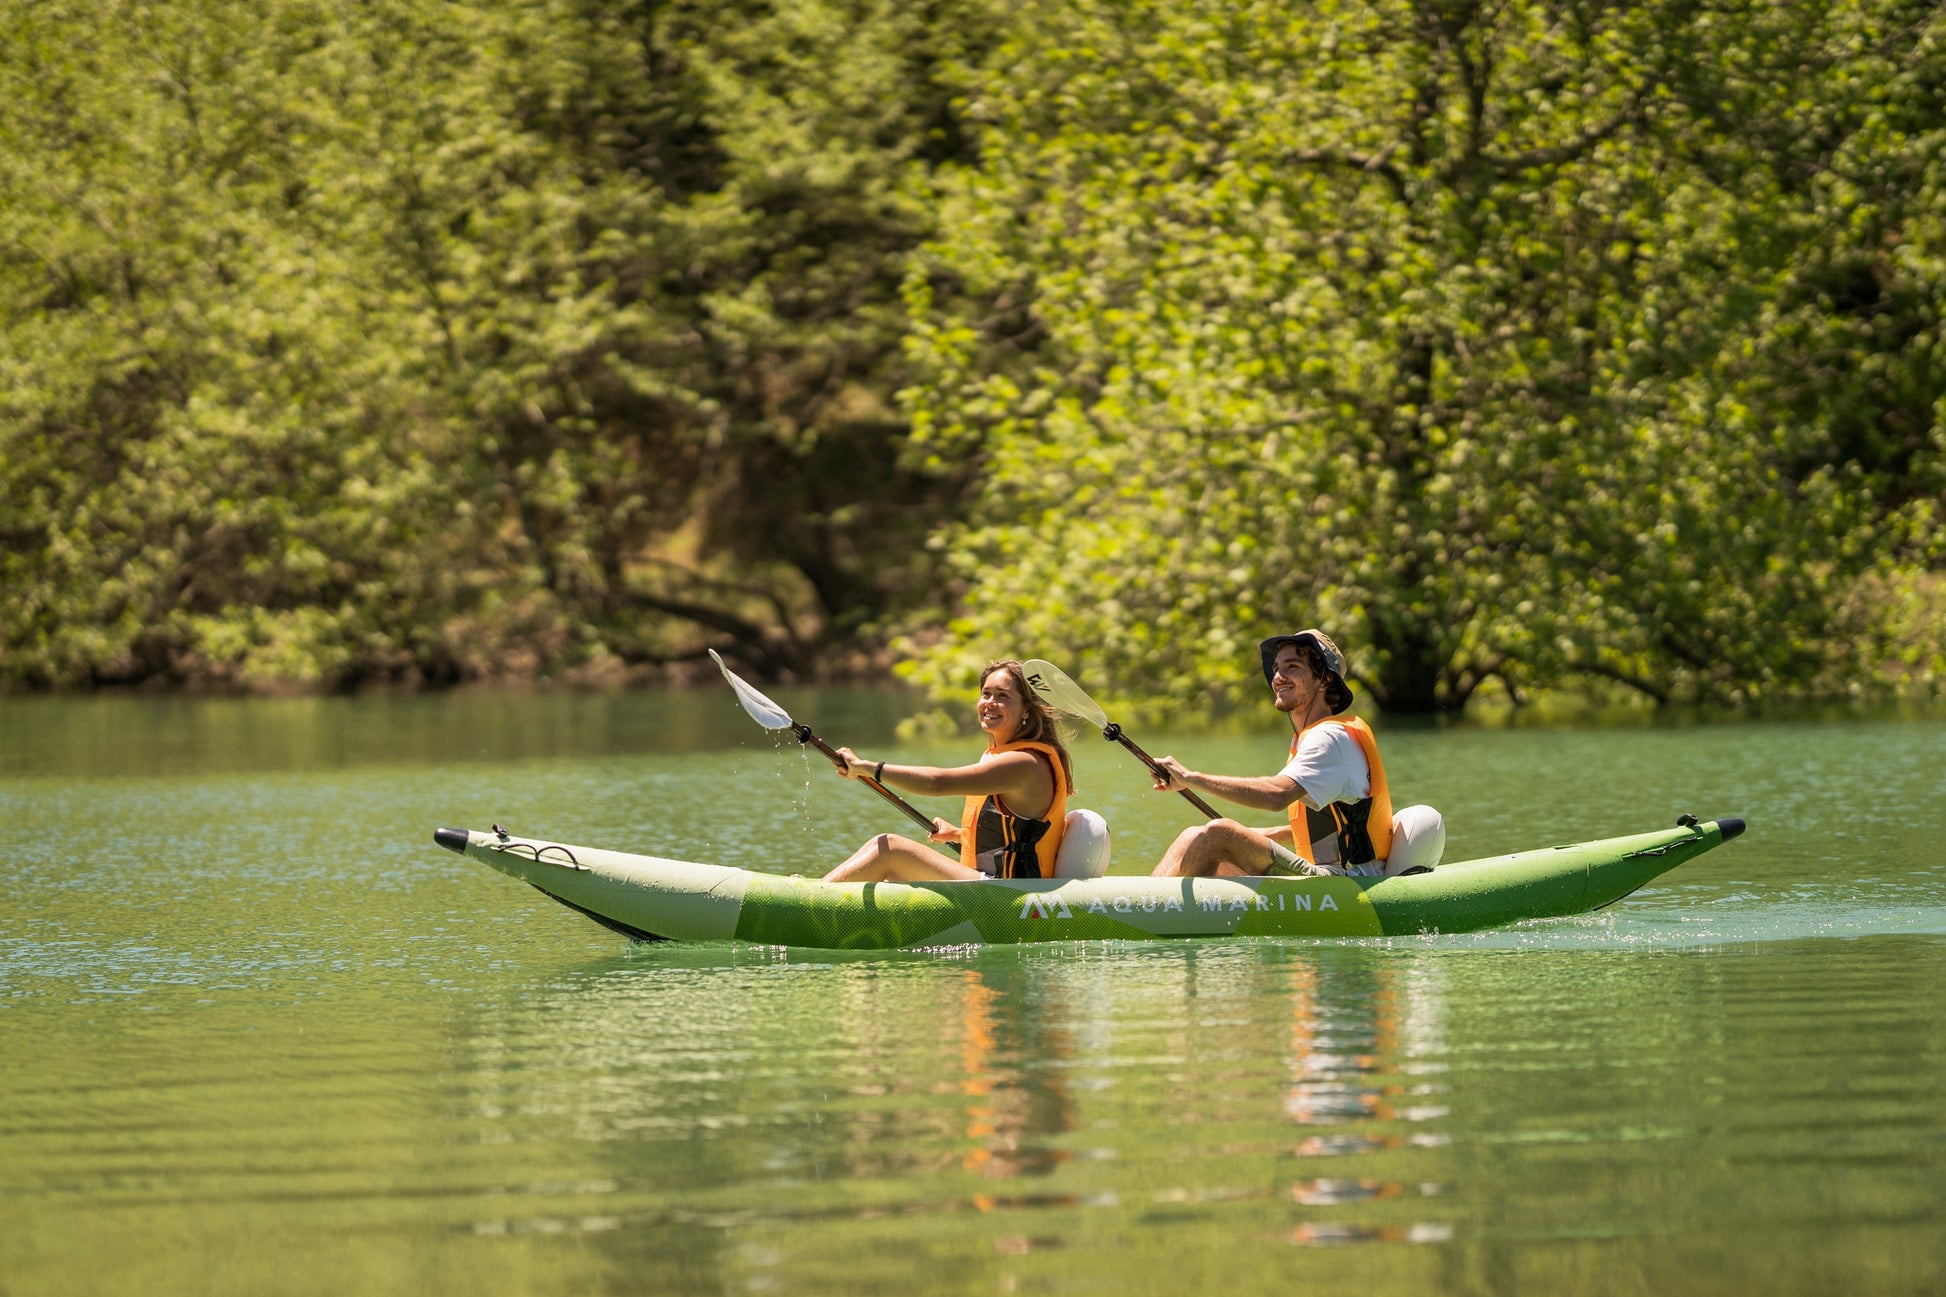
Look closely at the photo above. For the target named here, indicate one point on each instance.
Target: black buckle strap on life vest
(1349, 823)
(1018, 838)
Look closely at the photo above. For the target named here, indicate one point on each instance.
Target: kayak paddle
(772, 717)
(1062, 693)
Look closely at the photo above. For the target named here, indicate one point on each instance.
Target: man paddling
(1333, 791)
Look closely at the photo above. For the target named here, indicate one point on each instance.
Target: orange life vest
(1011, 826)
(1359, 832)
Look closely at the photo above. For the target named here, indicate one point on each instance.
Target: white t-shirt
(1330, 766)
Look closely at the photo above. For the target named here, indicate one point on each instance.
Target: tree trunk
(1410, 664)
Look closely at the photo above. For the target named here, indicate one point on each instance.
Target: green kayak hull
(651, 899)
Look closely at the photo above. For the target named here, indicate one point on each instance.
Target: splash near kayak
(648, 898)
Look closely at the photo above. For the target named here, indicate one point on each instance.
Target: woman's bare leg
(891, 858)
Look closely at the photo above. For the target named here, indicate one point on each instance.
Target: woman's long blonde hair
(1038, 725)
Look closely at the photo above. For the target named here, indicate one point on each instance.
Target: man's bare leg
(1221, 847)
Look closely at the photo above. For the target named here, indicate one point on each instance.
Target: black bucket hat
(1336, 692)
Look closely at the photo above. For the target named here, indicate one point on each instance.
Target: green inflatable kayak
(651, 899)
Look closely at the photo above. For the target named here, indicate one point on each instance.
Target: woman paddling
(1016, 796)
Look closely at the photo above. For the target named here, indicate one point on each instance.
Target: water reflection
(124, 734)
(759, 1096)
(1012, 1054)
(1001, 1064)
(1353, 1026)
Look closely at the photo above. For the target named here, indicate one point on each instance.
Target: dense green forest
(1525, 346)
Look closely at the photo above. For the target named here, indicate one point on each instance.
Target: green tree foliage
(411, 339)
(1522, 342)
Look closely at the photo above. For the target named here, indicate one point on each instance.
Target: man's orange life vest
(1020, 836)
(1345, 834)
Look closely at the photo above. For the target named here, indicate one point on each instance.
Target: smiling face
(1293, 684)
(1001, 707)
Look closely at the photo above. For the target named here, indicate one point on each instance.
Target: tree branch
(1379, 163)
(1660, 695)
(1568, 152)
(702, 614)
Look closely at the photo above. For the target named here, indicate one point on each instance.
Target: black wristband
(878, 775)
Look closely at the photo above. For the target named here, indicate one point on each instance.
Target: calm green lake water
(261, 1036)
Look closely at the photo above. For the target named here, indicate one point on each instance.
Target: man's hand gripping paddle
(1063, 694)
(772, 717)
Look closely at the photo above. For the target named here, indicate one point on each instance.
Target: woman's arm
(1018, 776)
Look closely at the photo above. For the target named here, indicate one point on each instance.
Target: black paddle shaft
(804, 735)
(1113, 733)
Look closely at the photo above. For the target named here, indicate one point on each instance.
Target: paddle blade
(1063, 694)
(763, 711)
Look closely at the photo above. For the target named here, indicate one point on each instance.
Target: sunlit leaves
(410, 338)
(1478, 324)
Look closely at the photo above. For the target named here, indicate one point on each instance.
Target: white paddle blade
(763, 711)
(1063, 694)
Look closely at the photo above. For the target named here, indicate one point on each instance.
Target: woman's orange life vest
(1017, 830)
(1357, 833)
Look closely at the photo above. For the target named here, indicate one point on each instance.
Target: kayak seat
(1084, 846)
(1418, 841)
